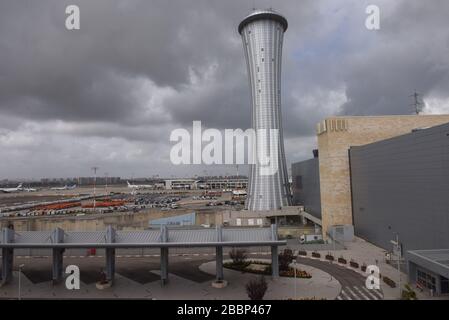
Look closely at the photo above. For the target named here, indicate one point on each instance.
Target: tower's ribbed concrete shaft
(262, 33)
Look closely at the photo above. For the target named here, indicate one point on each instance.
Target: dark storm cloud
(49, 72)
(114, 90)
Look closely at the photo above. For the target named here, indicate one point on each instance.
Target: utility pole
(20, 283)
(95, 185)
(417, 103)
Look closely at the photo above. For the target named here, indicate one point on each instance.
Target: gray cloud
(114, 90)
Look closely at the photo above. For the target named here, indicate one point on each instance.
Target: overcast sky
(110, 93)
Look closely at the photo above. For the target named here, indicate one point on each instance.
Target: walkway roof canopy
(163, 237)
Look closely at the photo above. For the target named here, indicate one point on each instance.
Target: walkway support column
(7, 255)
(58, 255)
(219, 255)
(110, 255)
(164, 255)
(274, 253)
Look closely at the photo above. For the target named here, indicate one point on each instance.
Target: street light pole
(20, 282)
(106, 183)
(294, 270)
(398, 248)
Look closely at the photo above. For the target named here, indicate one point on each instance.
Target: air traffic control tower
(262, 33)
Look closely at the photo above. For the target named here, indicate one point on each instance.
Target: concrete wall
(335, 136)
(306, 186)
(401, 185)
(120, 221)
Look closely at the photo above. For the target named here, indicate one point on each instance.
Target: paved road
(352, 283)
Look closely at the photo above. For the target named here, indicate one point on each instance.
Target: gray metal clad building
(306, 186)
(262, 34)
(401, 186)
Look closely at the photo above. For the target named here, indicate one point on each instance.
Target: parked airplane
(29, 189)
(66, 187)
(140, 186)
(9, 190)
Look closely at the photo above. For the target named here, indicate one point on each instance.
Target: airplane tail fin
(19, 186)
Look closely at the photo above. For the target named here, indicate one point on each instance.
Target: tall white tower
(262, 33)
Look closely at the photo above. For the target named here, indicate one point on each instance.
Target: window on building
(259, 222)
(250, 222)
(238, 222)
(426, 280)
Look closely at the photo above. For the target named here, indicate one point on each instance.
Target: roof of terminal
(440, 256)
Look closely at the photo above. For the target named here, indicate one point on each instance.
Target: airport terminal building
(392, 187)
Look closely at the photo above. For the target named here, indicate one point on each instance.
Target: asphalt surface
(352, 283)
(38, 270)
(138, 269)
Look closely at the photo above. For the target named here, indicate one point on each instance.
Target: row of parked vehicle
(152, 201)
(62, 212)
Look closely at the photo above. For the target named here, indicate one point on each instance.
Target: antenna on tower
(417, 103)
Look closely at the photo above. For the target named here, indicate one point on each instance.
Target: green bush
(285, 258)
(238, 256)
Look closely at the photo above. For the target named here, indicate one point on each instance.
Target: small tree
(103, 277)
(256, 288)
(408, 293)
(285, 258)
(238, 256)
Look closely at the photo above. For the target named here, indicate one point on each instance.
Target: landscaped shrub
(329, 257)
(299, 274)
(342, 260)
(302, 253)
(316, 254)
(389, 282)
(238, 256)
(285, 258)
(363, 267)
(353, 264)
(245, 267)
(256, 288)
